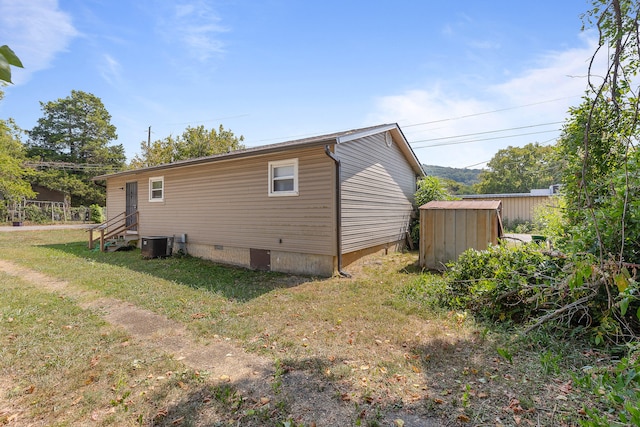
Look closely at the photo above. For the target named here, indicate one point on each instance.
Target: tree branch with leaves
(7, 59)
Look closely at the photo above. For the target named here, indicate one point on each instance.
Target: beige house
(309, 206)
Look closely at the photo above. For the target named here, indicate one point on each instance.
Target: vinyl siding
(377, 188)
(116, 195)
(226, 203)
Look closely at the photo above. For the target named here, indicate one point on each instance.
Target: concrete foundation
(284, 262)
(288, 262)
(308, 264)
(222, 254)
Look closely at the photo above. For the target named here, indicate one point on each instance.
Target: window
(283, 178)
(156, 189)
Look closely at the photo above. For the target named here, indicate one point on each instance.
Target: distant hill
(464, 176)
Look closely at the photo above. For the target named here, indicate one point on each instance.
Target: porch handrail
(112, 227)
(107, 222)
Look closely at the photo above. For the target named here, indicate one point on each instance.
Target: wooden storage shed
(448, 228)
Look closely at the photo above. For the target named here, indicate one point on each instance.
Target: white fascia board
(363, 134)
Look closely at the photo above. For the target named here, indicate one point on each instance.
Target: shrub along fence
(40, 212)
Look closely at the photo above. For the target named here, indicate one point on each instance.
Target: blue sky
(277, 70)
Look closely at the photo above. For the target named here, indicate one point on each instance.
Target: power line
(69, 166)
(488, 112)
(476, 164)
(487, 161)
(486, 132)
(422, 124)
(484, 139)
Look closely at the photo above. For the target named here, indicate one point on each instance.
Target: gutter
(338, 211)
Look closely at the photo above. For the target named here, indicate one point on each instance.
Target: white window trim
(281, 163)
(151, 181)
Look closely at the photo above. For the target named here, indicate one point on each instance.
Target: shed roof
(463, 204)
(320, 140)
(502, 196)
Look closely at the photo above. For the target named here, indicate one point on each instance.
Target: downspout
(338, 211)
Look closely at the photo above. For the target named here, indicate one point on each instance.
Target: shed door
(132, 203)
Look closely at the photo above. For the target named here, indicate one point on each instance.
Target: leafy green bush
(95, 214)
(36, 214)
(523, 284)
(502, 282)
(517, 226)
(429, 188)
(4, 211)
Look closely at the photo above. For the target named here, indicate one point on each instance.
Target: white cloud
(558, 74)
(37, 31)
(110, 70)
(197, 26)
(484, 44)
(448, 108)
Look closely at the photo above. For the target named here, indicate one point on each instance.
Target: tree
(520, 169)
(199, 142)
(599, 145)
(460, 175)
(594, 182)
(75, 132)
(8, 58)
(12, 155)
(600, 142)
(13, 185)
(76, 129)
(193, 143)
(456, 188)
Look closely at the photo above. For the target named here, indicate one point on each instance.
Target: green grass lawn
(377, 338)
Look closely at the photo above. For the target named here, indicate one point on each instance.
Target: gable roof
(320, 140)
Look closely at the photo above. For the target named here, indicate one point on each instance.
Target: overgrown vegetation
(616, 388)
(567, 297)
(505, 283)
(525, 285)
(587, 286)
